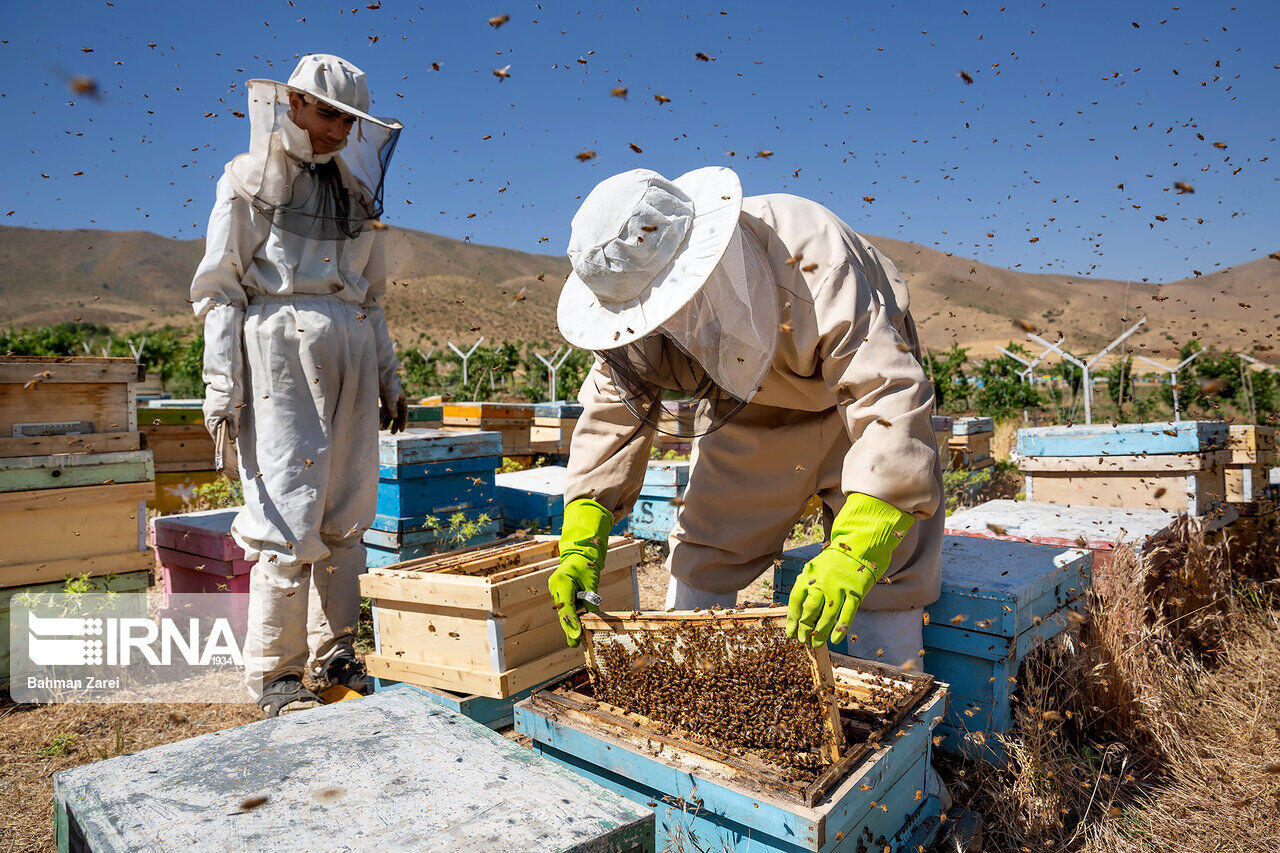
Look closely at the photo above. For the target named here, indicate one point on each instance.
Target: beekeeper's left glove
(584, 540)
(831, 586)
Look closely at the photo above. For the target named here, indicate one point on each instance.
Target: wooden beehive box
(61, 405)
(706, 799)
(197, 554)
(394, 771)
(553, 425)
(513, 420)
(1175, 466)
(969, 445)
(482, 621)
(73, 514)
(175, 433)
(1247, 475)
(425, 478)
(533, 500)
(1000, 600)
(661, 496)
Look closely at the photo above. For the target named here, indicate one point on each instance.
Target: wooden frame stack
(1174, 466)
(73, 477)
(481, 621)
(970, 443)
(513, 420)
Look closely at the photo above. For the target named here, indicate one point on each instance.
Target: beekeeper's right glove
(584, 540)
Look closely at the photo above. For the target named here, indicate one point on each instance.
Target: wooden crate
(1252, 445)
(1000, 600)
(128, 582)
(704, 800)
(54, 398)
(534, 498)
(661, 495)
(494, 635)
(394, 771)
(94, 530)
(1193, 483)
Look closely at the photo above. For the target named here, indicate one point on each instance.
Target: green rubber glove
(831, 586)
(584, 539)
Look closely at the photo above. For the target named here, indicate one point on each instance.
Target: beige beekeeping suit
(845, 408)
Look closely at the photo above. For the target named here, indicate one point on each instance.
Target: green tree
(1001, 392)
(950, 385)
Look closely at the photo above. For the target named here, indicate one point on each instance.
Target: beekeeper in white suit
(297, 362)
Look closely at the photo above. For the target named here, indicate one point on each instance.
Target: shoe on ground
(286, 695)
(346, 671)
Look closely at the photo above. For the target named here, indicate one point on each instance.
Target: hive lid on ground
(1123, 439)
(207, 533)
(435, 445)
(1096, 528)
(393, 771)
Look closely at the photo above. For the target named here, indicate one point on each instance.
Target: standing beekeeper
(792, 335)
(297, 361)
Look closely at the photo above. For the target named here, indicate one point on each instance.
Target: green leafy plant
(219, 494)
(60, 745)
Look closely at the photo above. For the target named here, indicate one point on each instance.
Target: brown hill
(453, 290)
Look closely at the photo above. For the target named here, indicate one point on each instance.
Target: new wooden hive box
(481, 621)
(1176, 466)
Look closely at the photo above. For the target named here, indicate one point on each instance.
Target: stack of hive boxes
(553, 425)
(1000, 601)
(661, 496)
(1175, 466)
(970, 443)
(196, 554)
(175, 434)
(427, 478)
(533, 500)
(1247, 475)
(74, 480)
(513, 421)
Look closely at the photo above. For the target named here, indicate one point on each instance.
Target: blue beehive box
(393, 771)
(882, 803)
(655, 510)
(533, 500)
(558, 409)
(1151, 439)
(1000, 600)
(426, 478)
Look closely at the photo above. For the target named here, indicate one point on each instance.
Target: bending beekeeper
(792, 335)
(297, 361)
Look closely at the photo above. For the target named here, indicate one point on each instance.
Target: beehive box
(1000, 600)
(429, 414)
(393, 771)
(491, 713)
(705, 799)
(553, 425)
(969, 445)
(175, 433)
(73, 514)
(197, 554)
(426, 477)
(128, 582)
(661, 495)
(1175, 466)
(533, 500)
(513, 420)
(59, 405)
(1247, 478)
(942, 435)
(482, 621)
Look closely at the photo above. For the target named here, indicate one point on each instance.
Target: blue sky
(856, 101)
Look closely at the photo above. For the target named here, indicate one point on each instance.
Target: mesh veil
(705, 363)
(319, 196)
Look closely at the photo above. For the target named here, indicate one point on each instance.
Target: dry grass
(1156, 724)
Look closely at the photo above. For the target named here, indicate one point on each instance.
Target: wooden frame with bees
(1000, 600)
(481, 621)
(706, 800)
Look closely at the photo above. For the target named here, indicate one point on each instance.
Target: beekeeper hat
(641, 246)
(333, 80)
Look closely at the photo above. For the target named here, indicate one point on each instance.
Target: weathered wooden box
(513, 420)
(533, 500)
(704, 799)
(197, 554)
(73, 514)
(59, 405)
(661, 496)
(1247, 478)
(553, 425)
(969, 445)
(135, 582)
(1000, 600)
(175, 433)
(393, 771)
(482, 621)
(1176, 466)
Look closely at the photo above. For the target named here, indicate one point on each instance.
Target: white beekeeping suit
(298, 358)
